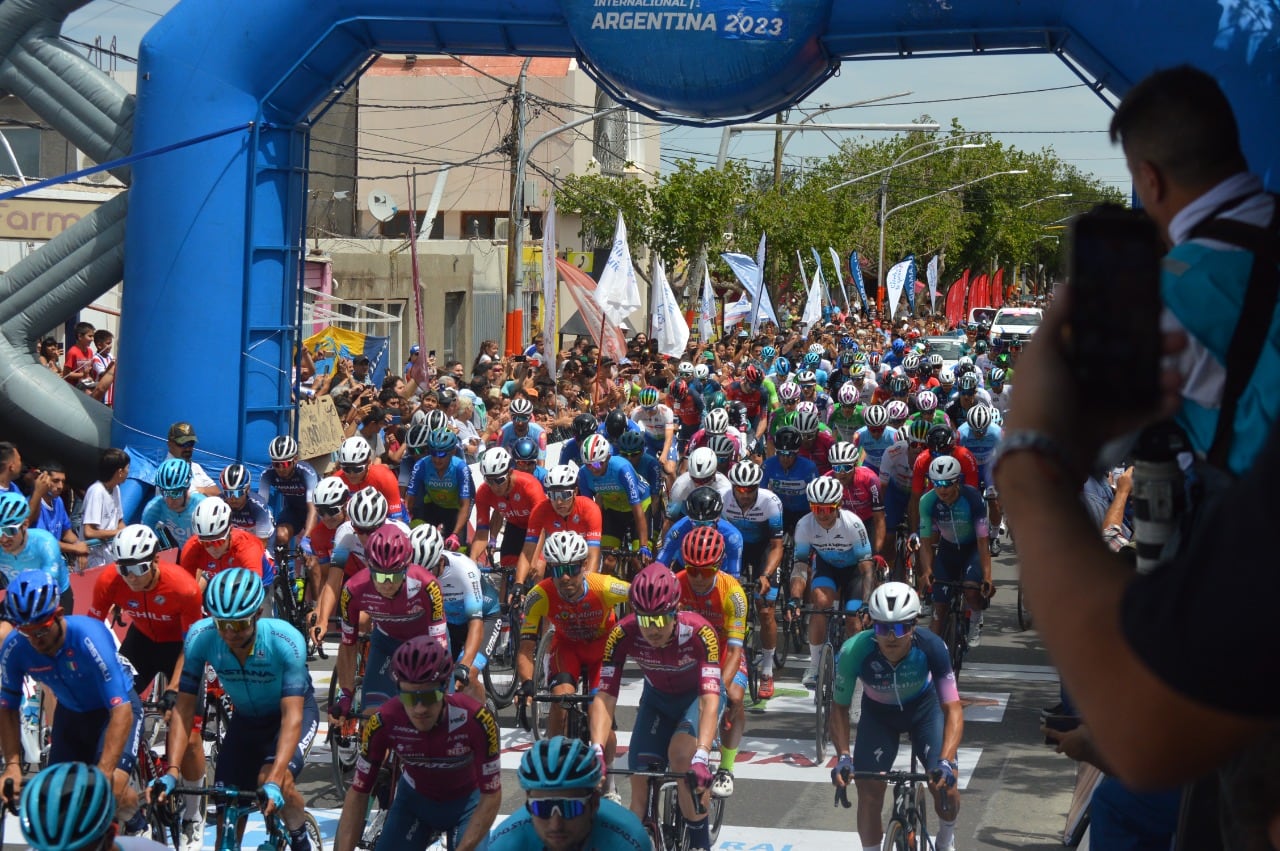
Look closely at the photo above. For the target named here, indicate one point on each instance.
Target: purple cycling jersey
(416, 608)
(690, 661)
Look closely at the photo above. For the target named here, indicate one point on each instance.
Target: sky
(1029, 102)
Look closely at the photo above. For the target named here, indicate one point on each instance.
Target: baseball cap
(413, 350)
(182, 433)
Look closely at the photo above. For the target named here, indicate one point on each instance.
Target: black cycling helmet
(940, 440)
(584, 425)
(787, 439)
(704, 504)
(631, 442)
(615, 424)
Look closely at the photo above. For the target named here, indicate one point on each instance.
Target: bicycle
(35, 730)
(824, 689)
(907, 829)
(622, 561)
(955, 629)
(577, 722)
(237, 804)
(663, 820)
(217, 715)
(149, 767)
(499, 673)
(903, 568)
(380, 799)
(8, 805)
(343, 737)
(290, 598)
(793, 627)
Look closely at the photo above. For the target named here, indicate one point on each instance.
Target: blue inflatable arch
(214, 231)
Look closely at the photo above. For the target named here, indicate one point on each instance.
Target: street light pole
(1045, 198)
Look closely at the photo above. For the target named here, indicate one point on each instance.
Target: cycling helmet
(935, 361)
(746, 474)
(944, 468)
(367, 509)
(135, 543)
(596, 449)
(806, 423)
(806, 378)
(964, 360)
(941, 440)
(33, 596)
(980, 347)
(806, 405)
(421, 659)
(782, 366)
(655, 591)
(816, 349)
(751, 374)
(562, 476)
(559, 763)
(679, 389)
(565, 547)
(354, 451)
(847, 359)
(444, 440)
(947, 376)
(717, 400)
(702, 463)
(702, 547)
(716, 421)
(964, 369)
(436, 419)
(859, 358)
(897, 410)
(824, 490)
(14, 508)
(724, 447)
(927, 400)
(844, 452)
(894, 602)
(631, 442)
(848, 394)
(234, 594)
(899, 385)
(918, 430)
(67, 807)
(584, 425)
(875, 416)
(388, 549)
(526, 449)
(968, 381)
(174, 475)
(615, 423)
(701, 372)
(980, 417)
(786, 440)
(997, 376)
(789, 392)
(211, 521)
(899, 344)
(446, 396)
(911, 363)
(495, 462)
(704, 505)
(812, 359)
(521, 407)
(686, 369)
(427, 545)
(234, 477)
(997, 418)
(331, 491)
(416, 437)
(737, 412)
(873, 360)
(648, 397)
(768, 353)
(282, 448)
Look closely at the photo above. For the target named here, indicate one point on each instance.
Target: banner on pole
(618, 293)
(931, 272)
(894, 283)
(855, 271)
(582, 290)
(835, 264)
(550, 287)
(669, 327)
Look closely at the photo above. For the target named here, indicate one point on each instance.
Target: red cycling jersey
(381, 478)
(753, 400)
(322, 541)
(862, 494)
(521, 499)
(817, 450)
(163, 613)
(920, 483)
(245, 551)
(584, 519)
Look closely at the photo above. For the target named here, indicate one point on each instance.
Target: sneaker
(975, 631)
(766, 688)
(722, 785)
(612, 795)
(950, 846)
(810, 678)
(191, 836)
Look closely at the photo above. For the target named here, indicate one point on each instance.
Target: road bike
(903, 568)
(824, 689)
(663, 819)
(236, 804)
(499, 673)
(217, 715)
(576, 705)
(954, 631)
(623, 561)
(380, 799)
(162, 823)
(343, 737)
(907, 829)
(290, 597)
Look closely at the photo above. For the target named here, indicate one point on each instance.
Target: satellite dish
(381, 205)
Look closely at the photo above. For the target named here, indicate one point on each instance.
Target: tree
(693, 210)
(599, 199)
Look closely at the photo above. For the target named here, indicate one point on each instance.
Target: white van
(1015, 325)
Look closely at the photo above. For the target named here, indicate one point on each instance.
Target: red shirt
(76, 357)
(380, 478)
(585, 519)
(245, 551)
(920, 482)
(522, 498)
(322, 541)
(163, 614)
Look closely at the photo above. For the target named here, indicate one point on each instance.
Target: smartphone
(1114, 319)
(431, 353)
(1060, 723)
(518, 358)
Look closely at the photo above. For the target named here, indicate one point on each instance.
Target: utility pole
(777, 152)
(515, 310)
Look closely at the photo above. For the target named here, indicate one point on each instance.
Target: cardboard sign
(319, 428)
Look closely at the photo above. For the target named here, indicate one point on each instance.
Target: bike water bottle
(1159, 492)
(299, 589)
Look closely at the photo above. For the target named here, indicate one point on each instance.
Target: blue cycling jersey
(618, 486)
(613, 828)
(507, 438)
(254, 517)
(790, 485)
(275, 669)
(981, 446)
(84, 674)
(926, 665)
(296, 491)
(40, 553)
(732, 564)
(172, 527)
(843, 545)
(650, 469)
(961, 523)
(875, 446)
(443, 489)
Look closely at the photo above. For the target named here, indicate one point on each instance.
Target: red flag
(997, 289)
(580, 287)
(978, 292)
(955, 299)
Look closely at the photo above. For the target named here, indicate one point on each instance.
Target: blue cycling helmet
(13, 508)
(526, 449)
(234, 594)
(847, 342)
(782, 366)
(631, 442)
(559, 763)
(33, 596)
(899, 344)
(173, 475)
(66, 807)
(768, 353)
(812, 359)
(441, 440)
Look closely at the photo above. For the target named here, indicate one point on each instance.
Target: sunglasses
(968, 392)
(894, 630)
(10, 531)
(238, 493)
(445, 453)
(365, 530)
(784, 453)
(354, 468)
(744, 488)
(597, 466)
(176, 493)
(215, 542)
(328, 510)
(560, 495)
(429, 697)
(386, 578)
(34, 630)
(133, 569)
(703, 570)
(842, 468)
(520, 419)
(496, 480)
(943, 483)
(566, 808)
(655, 621)
(560, 571)
(238, 625)
(282, 465)
(824, 509)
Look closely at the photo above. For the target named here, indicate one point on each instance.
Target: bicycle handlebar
(10, 801)
(564, 698)
(673, 776)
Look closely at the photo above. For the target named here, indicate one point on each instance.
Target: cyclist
(940, 440)
(1000, 392)
(657, 423)
(23, 548)
(357, 469)
(449, 751)
(527, 458)
(520, 426)
(785, 415)
(563, 808)
(99, 716)
(69, 807)
(248, 510)
(876, 435)
(757, 395)
(563, 510)
(787, 473)
(582, 427)
(896, 468)
(756, 513)
(897, 387)
(262, 664)
(679, 655)
(631, 447)
(847, 417)
(688, 408)
(168, 513)
(861, 489)
(400, 600)
(809, 392)
(293, 481)
(215, 545)
(981, 435)
(715, 424)
(816, 439)
(926, 408)
(702, 472)
(623, 495)
(366, 513)
(704, 508)
(953, 518)
(510, 495)
(441, 491)
(712, 593)
(836, 542)
(582, 608)
(331, 511)
(909, 687)
(967, 396)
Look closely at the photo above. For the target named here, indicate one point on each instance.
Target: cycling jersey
(348, 551)
(758, 522)
(85, 673)
(296, 491)
(689, 663)
(416, 608)
(822, 402)
(276, 669)
(442, 488)
(255, 518)
(585, 620)
(584, 519)
(790, 485)
(523, 495)
(172, 527)
(875, 446)
(465, 596)
(702, 438)
(508, 438)
(382, 479)
(41, 552)
(960, 523)
(724, 605)
(685, 485)
(163, 613)
(920, 481)
(817, 449)
(926, 666)
(732, 564)
(245, 551)
(617, 486)
(650, 469)
(756, 400)
(653, 424)
(843, 545)
(845, 421)
(689, 412)
(983, 447)
(1002, 398)
(613, 828)
(896, 467)
(862, 493)
(458, 755)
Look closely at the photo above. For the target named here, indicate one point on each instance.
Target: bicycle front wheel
(952, 628)
(540, 712)
(313, 831)
(823, 693)
(898, 837)
(343, 745)
(500, 671)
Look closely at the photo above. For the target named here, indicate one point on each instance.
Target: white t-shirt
(199, 478)
(103, 509)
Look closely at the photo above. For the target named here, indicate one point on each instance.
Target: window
(478, 225)
(398, 226)
(25, 142)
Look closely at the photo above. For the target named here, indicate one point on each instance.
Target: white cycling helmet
(947, 376)
(824, 490)
(367, 508)
(716, 421)
(331, 491)
(843, 452)
(495, 462)
(562, 476)
(980, 417)
(897, 410)
(944, 468)
(701, 371)
(816, 349)
(746, 474)
(848, 394)
(964, 360)
(806, 422)
(354, 451)
(686, 369)
(911, 363)
(789, 392)
(136, 543)
(806, 378)
(282, 448)
(702, 463)
(521, 407)
(894, 602)
(212, 519)
(428, 546)
(437, 419)
(564, 548)
(596, 449)
(875, 416)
